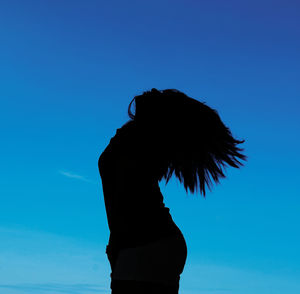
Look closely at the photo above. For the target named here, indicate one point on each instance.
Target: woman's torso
(134, 204)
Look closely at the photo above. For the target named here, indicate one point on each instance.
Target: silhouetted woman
(168, 133)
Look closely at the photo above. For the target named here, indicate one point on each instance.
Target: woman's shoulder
(129, 141)
(123, 141)
(128, 129)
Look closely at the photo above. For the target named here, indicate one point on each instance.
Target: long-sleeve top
(134, 204)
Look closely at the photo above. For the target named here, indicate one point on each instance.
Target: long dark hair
(192, 140)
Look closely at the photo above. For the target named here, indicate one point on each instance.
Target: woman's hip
(159, 261)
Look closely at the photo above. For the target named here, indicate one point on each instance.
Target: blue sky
(68, 72)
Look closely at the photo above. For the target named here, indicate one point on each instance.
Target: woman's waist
(142, 235)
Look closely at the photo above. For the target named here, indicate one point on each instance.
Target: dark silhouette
(168, 133)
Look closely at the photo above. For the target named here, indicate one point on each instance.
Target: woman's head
(185, 137)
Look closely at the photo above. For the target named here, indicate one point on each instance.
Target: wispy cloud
(74, 176)
(58, 288)
(55, 288)
(43, 262)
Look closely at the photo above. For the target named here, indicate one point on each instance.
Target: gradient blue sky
(68, 71)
